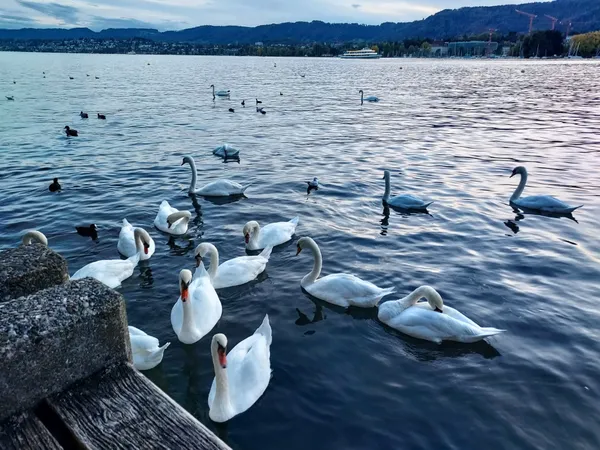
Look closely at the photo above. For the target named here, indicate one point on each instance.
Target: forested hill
(584, 15)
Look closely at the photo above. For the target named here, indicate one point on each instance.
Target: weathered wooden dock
(66, 379)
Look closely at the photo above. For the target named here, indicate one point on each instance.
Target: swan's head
(520, 170)
(303, 242)
(201, 251)
(140, 236)
(56, 180)
(249, 229)
(34, 236)
(361, 92)
(93, 227)
(172, 218)
(67, 127)
(219, 343)
(212, 86)
(187, 159)
(185, 279)
(433, 298)
(386, 174)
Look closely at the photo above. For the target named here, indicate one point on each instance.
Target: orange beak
(298, 251)
(222, 359)
(184, 294)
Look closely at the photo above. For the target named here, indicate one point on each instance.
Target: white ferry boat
(365, 53)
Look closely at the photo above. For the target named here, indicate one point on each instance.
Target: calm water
(450, 131)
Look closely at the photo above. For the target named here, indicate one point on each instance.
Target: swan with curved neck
(242, 375)
(198, 308)
(545, 203)
(218, 188)
(431, 320)
(404, 201)
(219, 93)
(172, 221)
(270, 235)
(127, 245)
(234, 272)
(35, 236)
(113, 271)
(339, 289)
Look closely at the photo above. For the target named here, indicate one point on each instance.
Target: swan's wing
(345, 290)
(206, 304)
(407, 201)
(239, 270)
(126, 244)
(164, 210)
(133, 331)
(177, 316)
(276, 233)
(543, 202)
(220, 188)
(143, 345)
(110, 272)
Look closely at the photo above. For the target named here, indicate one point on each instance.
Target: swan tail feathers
(266, 253)
(427, 204)
(246, 187)
(265, 329)
(126, 223)
(388, 291)
(135, 259)
(573, 209)
(489, 331)
(161, 350)
(295, 220)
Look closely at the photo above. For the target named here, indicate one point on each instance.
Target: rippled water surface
(450, 131)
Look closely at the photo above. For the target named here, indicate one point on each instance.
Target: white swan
(217, 188)
(404, 201)
(113, 271)
(340, 288)
(172, 221)
(371, 98)
(198, 308)
(544, 203)
(147, 354)
(226, 151)
(270, 235)
(234, 272)
(220, 93)
(126, 245)
(35, 236)
(242, 375)
(431, 320)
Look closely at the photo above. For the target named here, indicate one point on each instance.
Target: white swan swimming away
(198, 308)
(404, 201)
(242, 375)
(112, 272)
(234, 272)
(145, 349)
(35, 236)
(220, 93)
(126, 244)
(371, 98)
(172, 221)
(431, 320)
(226, 151)
(270, 235)
(218, 188)
(545, 203)
(339, 289)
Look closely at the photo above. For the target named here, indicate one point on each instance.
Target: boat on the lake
(365, 53)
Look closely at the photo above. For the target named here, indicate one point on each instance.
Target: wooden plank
(24, 431)
(119, 408)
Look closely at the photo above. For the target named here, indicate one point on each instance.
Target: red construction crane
(531, 17)
(553, 19)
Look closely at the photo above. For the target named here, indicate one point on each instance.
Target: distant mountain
(584, 15)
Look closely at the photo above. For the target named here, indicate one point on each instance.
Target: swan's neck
(520, 188)
(221, 402)
(213, 90)
(361, 98)
(188, 326)
(317, 265)
(386, 194)
(253, 242)
(214, 263)
(193, 183)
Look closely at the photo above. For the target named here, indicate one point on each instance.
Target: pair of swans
(217, 188)
(544, 203)
(430, 320)
(270, 235)
(371, 98)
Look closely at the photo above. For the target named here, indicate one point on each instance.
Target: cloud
(355, 5)
(65, 14)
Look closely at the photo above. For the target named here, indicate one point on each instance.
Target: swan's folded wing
(143, 345)
(407, 200)
(432, 325)
(108, 271)
(542, 202)
(344, 289)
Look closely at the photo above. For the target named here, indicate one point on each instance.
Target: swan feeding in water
(404, 201)
(544, 203)
(339, 289)
(431, 320)
(371, 98)
(242, 375)
(126, 244)
(145, 349)
(226, 151)
(270, 235)
(172, 221)
(217, 188)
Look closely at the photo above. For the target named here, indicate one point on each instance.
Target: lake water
(449, 131)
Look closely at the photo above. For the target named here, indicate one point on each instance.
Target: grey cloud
(355, 5)
(67, 14)
(9, 20)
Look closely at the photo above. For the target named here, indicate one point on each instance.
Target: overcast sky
(177, 14)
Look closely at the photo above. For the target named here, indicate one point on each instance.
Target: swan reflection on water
(179, 250)
(197, 208)
(146, 278)
(385, 220)
(355, 312)
(521, 213)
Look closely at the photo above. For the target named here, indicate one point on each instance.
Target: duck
(172, 221)
(198, 308)
(97, 78)
(339, 289)
(231, 110)
(70, 132)
(226, 151)
(219, 93)
(262, 111)
(405, 201)
(83, 115)
(101, 116)
(259, 109)
(112, 272)
(71, 78)
(126, 244)
(244, 103)
(371, 98)
(543, 203)
(145, 349)
(217, 188)
(281, 93)
(91, 231)
(242, 375)
(55, 186)
(10, 98)
(258, 101)
(431, 320)
(314, 184)
(270, 235)
(34, 236)
(234, 272)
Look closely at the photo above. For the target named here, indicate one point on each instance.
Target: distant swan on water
(404, 201)
(219, 93)
(217, 188)
(371, 98)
